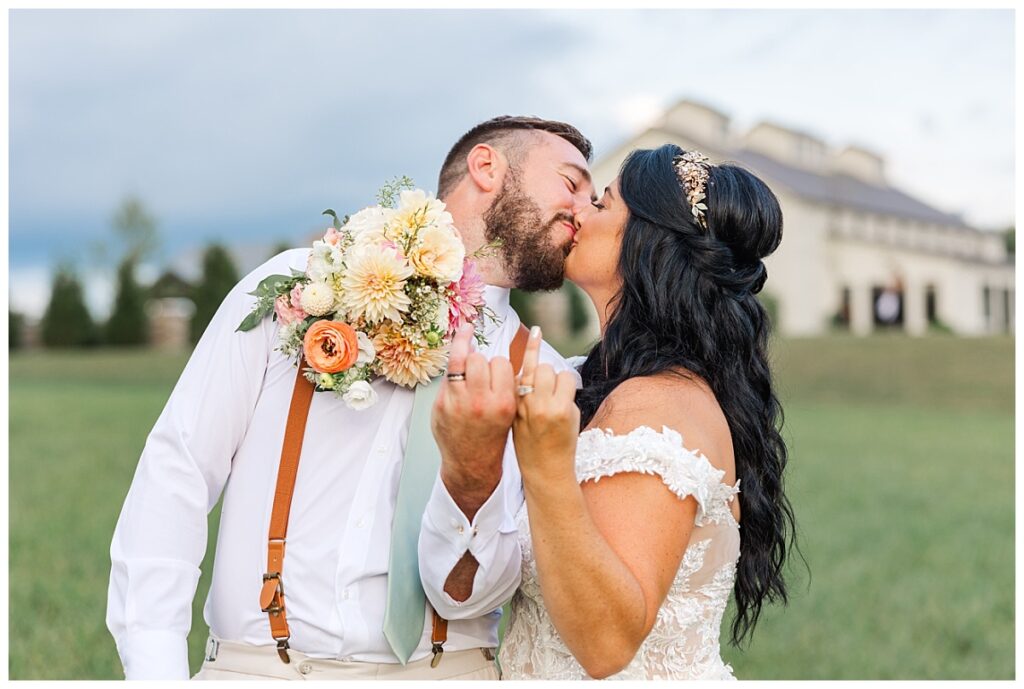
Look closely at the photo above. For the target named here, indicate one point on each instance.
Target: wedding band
(524, 390)
(455, 377)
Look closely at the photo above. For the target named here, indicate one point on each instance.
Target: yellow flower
(416, 210)
(374, 285)
(438, 254)
(404, 362)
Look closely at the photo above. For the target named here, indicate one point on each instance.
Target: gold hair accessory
(692, 170)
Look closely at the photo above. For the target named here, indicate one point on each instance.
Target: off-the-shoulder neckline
(696, 452)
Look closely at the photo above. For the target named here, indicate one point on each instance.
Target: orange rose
(330, 346)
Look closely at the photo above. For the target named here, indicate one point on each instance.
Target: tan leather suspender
(517, 350)
(272, 593)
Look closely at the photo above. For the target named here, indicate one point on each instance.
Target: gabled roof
(843, 190)
(831, 188)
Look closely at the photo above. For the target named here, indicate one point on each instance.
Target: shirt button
(305, 668)
(344, 594)
(462, 530)
(381, 450)
(361, 523)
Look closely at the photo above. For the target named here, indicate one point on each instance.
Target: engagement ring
(525, 390)
(455, 377)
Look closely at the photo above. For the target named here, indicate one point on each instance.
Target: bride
(631, 531)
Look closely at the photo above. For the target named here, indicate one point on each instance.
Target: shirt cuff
(455, 528)
(154, 655)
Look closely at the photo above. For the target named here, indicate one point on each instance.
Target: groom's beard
(532, 262)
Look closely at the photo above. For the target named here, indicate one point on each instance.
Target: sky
(240, 126)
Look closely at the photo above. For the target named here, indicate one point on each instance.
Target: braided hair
(687, 306)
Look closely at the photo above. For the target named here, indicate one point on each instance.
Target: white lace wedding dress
(684, 643)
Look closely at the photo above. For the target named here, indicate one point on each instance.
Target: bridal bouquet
(382, 295)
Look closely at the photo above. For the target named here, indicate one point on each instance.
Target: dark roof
(844, 190)
(835, 189)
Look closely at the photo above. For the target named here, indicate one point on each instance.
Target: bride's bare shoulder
(678, 399)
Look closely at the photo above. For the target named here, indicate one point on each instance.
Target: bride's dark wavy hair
(687, 306)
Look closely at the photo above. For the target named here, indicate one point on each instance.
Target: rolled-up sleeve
(161, 534)
(491, 538)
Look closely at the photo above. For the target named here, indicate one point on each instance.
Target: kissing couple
(600, 498)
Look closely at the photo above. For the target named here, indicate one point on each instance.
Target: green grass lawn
(901, 476)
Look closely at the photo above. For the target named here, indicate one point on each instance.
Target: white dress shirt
(222, 430)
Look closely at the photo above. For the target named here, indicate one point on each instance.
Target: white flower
(360, 395)
(318, 299)
(366, 349)
(438, 254)
(369, 221)
(321, 263)
(290, 342)
(443, 317)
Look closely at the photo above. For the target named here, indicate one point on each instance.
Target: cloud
(250, 117)
(244, 124)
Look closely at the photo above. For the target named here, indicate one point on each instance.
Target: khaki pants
(226, 661)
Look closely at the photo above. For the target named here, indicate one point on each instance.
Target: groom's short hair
(505, 134)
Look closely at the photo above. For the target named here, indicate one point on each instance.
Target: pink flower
(332, 237)
(289, 307)
(468, 294)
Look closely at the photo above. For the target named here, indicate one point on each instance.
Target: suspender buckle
(272, 593)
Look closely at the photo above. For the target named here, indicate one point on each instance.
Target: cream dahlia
(373, 287)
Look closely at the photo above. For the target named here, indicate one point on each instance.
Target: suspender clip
(282, 650)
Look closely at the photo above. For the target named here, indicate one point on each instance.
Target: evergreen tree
(128, 324)
(219, 276)
(67, 322)
(1009, 237)
(579, 316)
(15, 330)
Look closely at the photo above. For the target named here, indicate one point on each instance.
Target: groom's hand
(471, 420)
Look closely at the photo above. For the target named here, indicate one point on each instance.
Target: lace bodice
(684, 641)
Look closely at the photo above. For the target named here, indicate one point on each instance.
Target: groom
(515, 179)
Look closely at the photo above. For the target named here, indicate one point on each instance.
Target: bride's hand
(547, 420)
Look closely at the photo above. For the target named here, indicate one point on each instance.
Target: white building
(856, 251)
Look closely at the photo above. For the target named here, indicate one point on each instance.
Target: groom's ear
(486, 166)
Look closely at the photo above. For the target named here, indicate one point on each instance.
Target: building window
(888, 307)
(986, 305)
(1006, 311)
(841, 319)
(930, 306)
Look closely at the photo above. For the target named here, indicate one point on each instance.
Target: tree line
(67, 321)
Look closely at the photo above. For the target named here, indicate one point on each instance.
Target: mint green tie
(403, 615)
